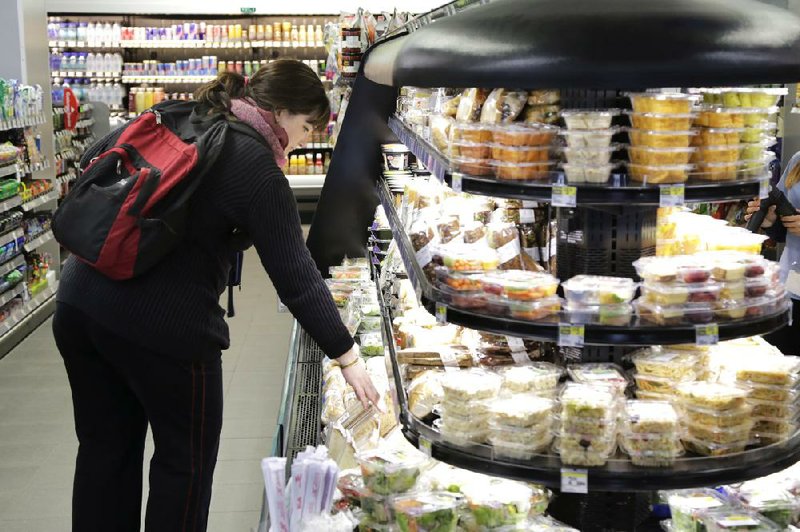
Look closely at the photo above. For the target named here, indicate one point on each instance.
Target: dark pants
(117, 389)
(787, 339)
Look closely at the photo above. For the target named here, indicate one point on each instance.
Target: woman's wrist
(349, 358)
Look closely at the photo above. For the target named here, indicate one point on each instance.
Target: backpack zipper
(158, 116)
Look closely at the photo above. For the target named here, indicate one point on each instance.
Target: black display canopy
(596, 44)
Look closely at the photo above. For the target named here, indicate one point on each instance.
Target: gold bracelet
(351, 364)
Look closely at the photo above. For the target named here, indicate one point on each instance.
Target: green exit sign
(247, 10)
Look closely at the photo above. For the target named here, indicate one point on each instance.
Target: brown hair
(793, 177)
(283, 84)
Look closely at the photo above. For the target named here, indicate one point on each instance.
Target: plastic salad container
(677, 173)
(772, 502)
(650, 417)
(665, 385)
(599, 290)
(534, 310)
(545, 523)
(730, 520)
(538, 376)
(471, 166)
(468, 258)
(460, 282)
(710, 136)
(767, 392)
(376, 507)
(470, 385)
(520, 285)
(504, 448)
(532, 437)
(774, 409)
(461, 422)
(470, 150)
(652, 138)
(649, 102)
(510, 171)
(687, 507)
(427, 511)
(588, 173)
(476, 434)
(676, 365)
(470, 132)
(712, 395)
(371, 344)
(582, 451)
(619, 315)
(728, 435)
(728, 153)
(776, 371)
(708, 417)
(475, 409)
(661, 121)
(588, 401)
(524, 134)
(349, 273)
(588, 118)
(689, 313)
(495, 503)
(683, 269)
(594, 156)
(668, 294)
(752, 97)
(519, 411)
(591, 138)
(599, 373)
(519, 154)
(660, 156)
(386, 472)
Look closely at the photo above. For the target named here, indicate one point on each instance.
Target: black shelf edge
(439, 165)
(544, 330)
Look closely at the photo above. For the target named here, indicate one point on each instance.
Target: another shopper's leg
(111, 428)
(787, 339)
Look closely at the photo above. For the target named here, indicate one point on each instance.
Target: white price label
(520, 357)
(449, 359)
(672, 196)
(763, 188)
(515, 344)
(424, 445)
(574, 480)
(424, 256)
(418, 290)
(441, 313)
(528, 204)
(571, 335)
(527, 216)
(564, 196)
(508, 251)
(707, 334)
(456, 182)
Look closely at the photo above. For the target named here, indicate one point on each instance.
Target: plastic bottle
(116, 33)
(318, 164)
(132, 100)
(73, 62)
(252, 32)
(301, 164)
(91, 34)
(318, 36)
(81, 33)
(107, 33)
(140, 108)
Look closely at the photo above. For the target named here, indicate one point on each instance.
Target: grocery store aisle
(38, 444)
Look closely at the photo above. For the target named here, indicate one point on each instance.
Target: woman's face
(297, 126)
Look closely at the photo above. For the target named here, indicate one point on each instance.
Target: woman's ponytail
(217, 94)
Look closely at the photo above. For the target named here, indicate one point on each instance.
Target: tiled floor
(38, 444)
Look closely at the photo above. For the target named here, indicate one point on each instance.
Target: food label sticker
(456, 182)
(449, 359)
(564, 196)
(570, 335)
(763, 188)
(574, 480)
(515, 344)
(528, 204)
(424, 256)
(425, 446)
(527, 216)
(672, 195)
(707, 334)
(441, 313)
(520, 357)
(737, 521)
(508, 251)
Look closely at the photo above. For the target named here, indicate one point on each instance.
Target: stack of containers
(521, 294)
(689, 506)
(465, 406)
(735, 519)
(588, 424)
(386, 474)
(589, 150)
(773, 502)
(737, 125)
(600, 300)
(520, 426)
(535, 378)
(660, 137)
(510, 152)
(774, 386)
(658, 373)
(651, 433)
(676, 290)
(716, 418)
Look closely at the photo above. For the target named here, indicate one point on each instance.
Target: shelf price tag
(570, 335)
(424, 445)
(441, 313)
(763, 188)
(707, 334)
(672, 196)
(574, 480)
(456, 182)
(564, 196)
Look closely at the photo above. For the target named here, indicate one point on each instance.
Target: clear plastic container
(718, 136)
(470, 385)
(737, 240)
(725, 171)
(480, 409)
(531, 436)
(675, 365)
(665, 442)
(677, 294)
(461, 282)
(461, 438)
(539, 376)
(592, 426)
(520, 285)
(534, 310)
(665, 385)
(712, 395)
(655, 396)
(728, 271)
(649, 458)
(777, 371)
(647, 102)
(428, 511)
(522, 411)
(601, 373)
(660, 174)
(469, 258)
(772, 502)
(774, 409)
(495, 503)
(668, 269)
(749, 97)
(390, 471)
(709, 417)
(462, 298)
(732, 290)
(766, 392)
(687, 507)
(463, 423)
(728, 117)
(588, 173)
(660, 156)
(588, 401)
(661, 139)
(376, 507)
(599, 290)
(469, 132)
(509, 171)
(470, 150)
(782, 427)
(759, 132)
(517, 451)
(728, 153)
(726, 435)
(592, 138)
(650, 417)
(590, 156)
(731, 520)
(588, 118)
(545, 523)
(689, 313)
(661, 121)
(524, 134)
(574, 450)
(755, 151)
(349, 273)
(478, 167)
(371, 344)
(520, 154)
(615, 315)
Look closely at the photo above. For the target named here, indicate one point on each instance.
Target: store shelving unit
(585, 48)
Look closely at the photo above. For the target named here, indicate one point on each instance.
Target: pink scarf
(263, 121)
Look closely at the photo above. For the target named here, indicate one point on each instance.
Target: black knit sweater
(174, 308)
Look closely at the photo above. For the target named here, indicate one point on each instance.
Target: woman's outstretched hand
(355, 373)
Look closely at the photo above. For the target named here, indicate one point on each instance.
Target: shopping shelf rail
(635, 333)
(618, 191)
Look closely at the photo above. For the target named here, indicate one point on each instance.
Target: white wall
(217, 7)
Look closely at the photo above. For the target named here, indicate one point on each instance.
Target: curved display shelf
(618, 191)
(191, 44)
(635, 333)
